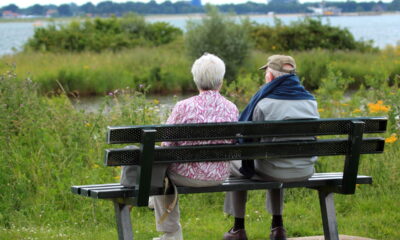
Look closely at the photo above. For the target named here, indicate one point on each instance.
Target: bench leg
(328, 215)
(124, 225)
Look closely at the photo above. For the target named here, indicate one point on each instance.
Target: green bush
(305, 34)
(370, 68)
(46, 146)
(102, 34)
(159, 33)
(222, 36)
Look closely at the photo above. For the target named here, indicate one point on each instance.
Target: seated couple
(281, 97)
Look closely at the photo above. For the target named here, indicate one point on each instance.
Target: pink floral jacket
(208, 106)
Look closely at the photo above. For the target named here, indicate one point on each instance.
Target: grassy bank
(47, 146)
(163, 68)
(166, 69)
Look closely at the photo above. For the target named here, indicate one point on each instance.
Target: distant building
(192, 2)
(323, 10)
(10, 14)
(196, 3)
(51, 13)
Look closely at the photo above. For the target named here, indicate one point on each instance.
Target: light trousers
(171, 222)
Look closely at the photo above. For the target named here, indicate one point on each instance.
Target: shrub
(159, 33)
(102, 34)
(46, 145)
(305, 34)
(219, 35)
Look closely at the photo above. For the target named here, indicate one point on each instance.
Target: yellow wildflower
(96, 166)
(393, 138)
(88, 125)
(357, 110)
(378, 107)
(321, 110)
(345, 104)
(156, 101)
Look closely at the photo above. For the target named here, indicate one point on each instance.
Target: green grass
(46, 146)
(357, 215)
(166, 69)
(162, 69)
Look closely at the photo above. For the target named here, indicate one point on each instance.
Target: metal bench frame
(325, 183)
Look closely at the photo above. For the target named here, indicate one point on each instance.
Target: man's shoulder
(269, 101)
(266, 102)
(271, 105)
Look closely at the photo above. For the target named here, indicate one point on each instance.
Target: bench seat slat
(113, 191)
(228, 152)
(87, 190)
(77, 189)
(191, 132)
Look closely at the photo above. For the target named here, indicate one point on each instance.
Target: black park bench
(326, 184)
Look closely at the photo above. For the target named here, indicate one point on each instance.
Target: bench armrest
(350, 170)
(145, 169)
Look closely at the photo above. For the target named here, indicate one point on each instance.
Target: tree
(88, 8)
(64, 10)
(394, 5)
(219, 35)
(11, 7)
(36, 10)
(108, 7)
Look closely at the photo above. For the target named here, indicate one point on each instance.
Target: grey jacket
(285, 169)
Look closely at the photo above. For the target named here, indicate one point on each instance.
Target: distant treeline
(181, 7)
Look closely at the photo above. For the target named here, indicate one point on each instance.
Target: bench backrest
(148, 154)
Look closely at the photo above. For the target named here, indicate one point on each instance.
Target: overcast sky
(27, 3)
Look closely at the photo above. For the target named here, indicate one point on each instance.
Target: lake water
(96, 103)
(382, 29)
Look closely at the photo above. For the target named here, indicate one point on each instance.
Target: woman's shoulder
(185, 103)
(229, 103)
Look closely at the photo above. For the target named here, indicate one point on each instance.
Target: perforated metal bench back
(118, 157)
(192, 132)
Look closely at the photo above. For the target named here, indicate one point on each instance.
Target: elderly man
(281, 98)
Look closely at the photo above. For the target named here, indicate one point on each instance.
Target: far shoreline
(270, 15)
(200, 15)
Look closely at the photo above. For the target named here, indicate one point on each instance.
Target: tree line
(106, 8)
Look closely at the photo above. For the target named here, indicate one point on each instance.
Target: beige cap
(277, 63)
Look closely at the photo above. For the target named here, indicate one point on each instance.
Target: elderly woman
(209, 106)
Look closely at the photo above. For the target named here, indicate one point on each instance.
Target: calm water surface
(95, 104)
(13, 35)
(382, 29)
